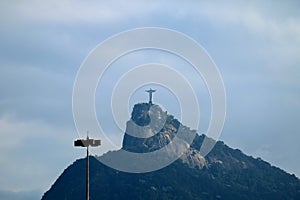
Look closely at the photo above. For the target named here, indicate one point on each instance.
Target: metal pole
(86, 143)
(87, 174)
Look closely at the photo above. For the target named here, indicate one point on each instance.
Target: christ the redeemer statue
(150, 95)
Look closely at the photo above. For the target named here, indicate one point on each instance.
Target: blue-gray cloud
(27, 195)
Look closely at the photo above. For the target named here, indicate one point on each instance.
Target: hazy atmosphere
(255, 46)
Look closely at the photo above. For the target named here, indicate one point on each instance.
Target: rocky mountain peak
(224, 173)
(150, 129)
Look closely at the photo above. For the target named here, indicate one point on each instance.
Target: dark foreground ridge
(225, 173)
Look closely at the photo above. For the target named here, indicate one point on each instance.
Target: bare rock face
(193, 159)
(150, 129)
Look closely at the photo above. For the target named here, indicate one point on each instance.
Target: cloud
(270, 26)
(23, 195)
(66, 11)
(256, 17)
(33, 150)
(31, 93)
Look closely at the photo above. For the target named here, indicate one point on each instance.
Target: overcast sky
(255, 45)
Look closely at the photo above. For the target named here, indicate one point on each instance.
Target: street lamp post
(86, 143)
